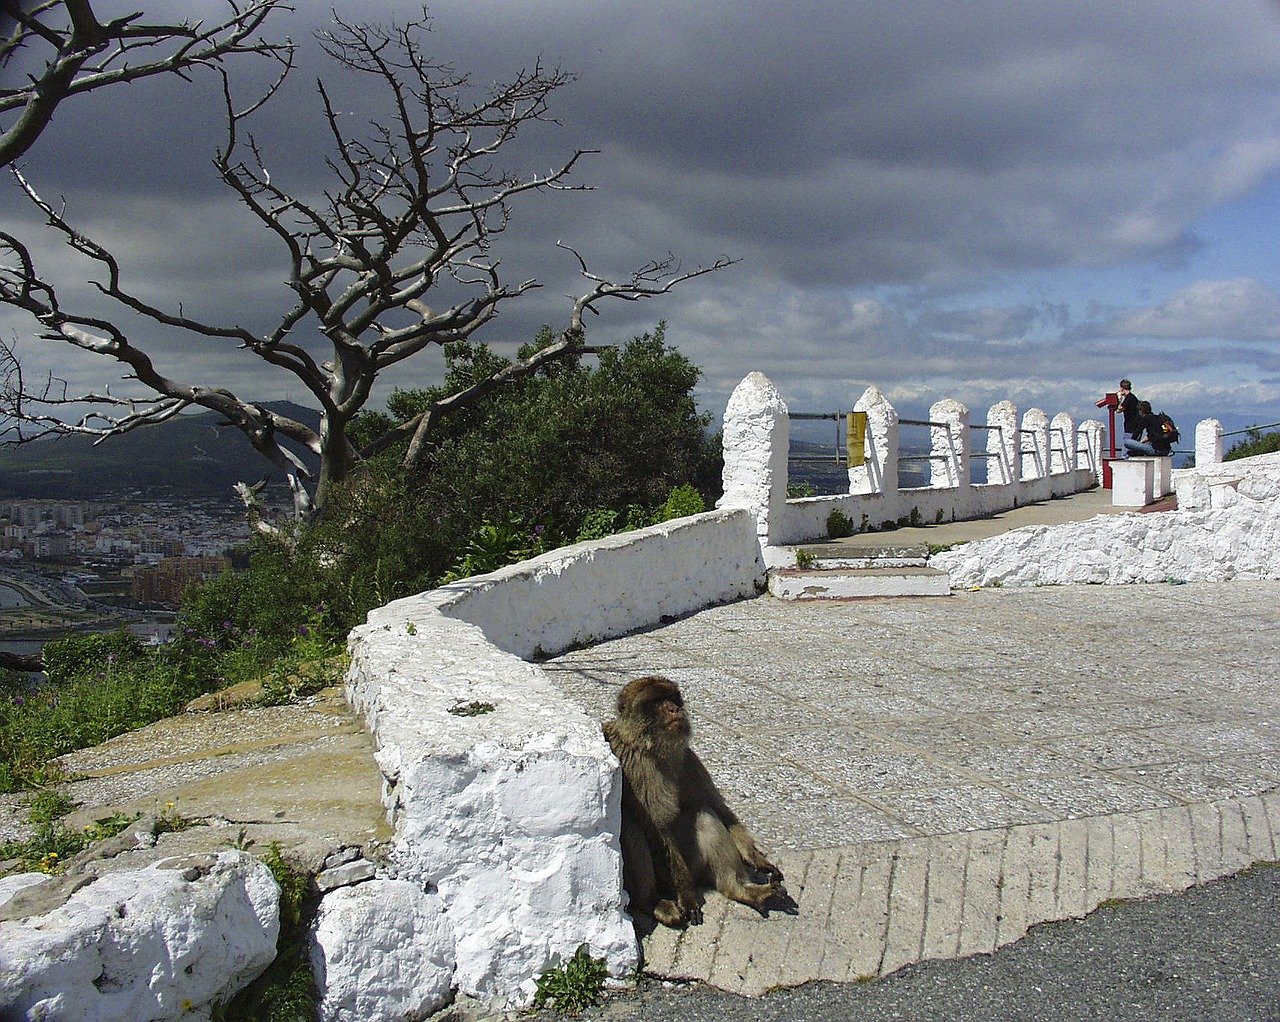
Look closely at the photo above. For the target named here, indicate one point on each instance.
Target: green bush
(78, 655)
(1255, 442)
(682, 501)
(597, 524)
(839, 524)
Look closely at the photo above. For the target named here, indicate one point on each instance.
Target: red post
(1110, 401)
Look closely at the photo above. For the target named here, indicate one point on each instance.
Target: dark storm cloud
(840, 150)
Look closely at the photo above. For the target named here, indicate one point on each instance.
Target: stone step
(848, 583)
(838, 555)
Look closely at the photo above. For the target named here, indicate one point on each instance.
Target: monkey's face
(658, 703)
(670, 716)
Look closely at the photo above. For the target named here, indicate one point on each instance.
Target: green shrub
(597, 524)
(1255, 442)
(495, 545)
(839, 524)
(79, 655)
(798, 490)
(682, 501)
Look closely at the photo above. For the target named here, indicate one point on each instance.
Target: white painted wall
(165, 942)
(1237, 537)
(1033, 460)
(511, 817)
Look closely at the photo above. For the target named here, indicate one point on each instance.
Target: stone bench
(1136, 482)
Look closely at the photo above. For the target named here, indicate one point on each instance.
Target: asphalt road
(1212, 953)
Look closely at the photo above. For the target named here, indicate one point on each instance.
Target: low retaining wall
(806, 517)
(504, 795)
(1237, 537)
(1029, 459)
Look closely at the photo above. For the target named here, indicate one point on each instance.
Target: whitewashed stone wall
(1209, 447)
(507, 820)
(1239, 538)
(166, 942)
(756, 440)
(950, 464)
(1033, 461)
(879, 473)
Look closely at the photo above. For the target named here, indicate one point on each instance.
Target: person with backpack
(1161, 434)
(1129, 409)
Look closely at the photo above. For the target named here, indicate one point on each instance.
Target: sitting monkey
(677, 832)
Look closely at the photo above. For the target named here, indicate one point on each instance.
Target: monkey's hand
(770, 874)
(679, 913)
(691, 907)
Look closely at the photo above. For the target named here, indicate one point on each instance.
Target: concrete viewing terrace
(936, 775)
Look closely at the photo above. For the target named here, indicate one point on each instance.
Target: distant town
(73, 565)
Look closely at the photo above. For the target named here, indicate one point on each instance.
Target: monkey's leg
(725, 865)
(637, 870)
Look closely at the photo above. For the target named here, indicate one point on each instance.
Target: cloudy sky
(976, 200)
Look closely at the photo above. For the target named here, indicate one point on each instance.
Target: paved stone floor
(914, 762)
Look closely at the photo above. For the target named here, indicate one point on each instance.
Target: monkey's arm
(699, 776)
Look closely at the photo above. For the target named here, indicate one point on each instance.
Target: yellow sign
(856, 438)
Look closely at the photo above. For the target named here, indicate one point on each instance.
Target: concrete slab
(857, 583)
(947, 773)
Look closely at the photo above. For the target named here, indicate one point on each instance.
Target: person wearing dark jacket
(1129, 409)
(1148, 422)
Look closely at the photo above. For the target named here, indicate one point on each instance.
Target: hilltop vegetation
(574, 451)
(1255, 442)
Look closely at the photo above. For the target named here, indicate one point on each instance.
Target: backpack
(1168, 430)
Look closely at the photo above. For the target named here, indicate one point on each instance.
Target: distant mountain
(191, 455)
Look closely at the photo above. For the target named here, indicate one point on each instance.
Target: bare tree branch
(415, 201)
(80, 53)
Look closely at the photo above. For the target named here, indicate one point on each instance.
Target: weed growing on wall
(574, 987)
(839, 524)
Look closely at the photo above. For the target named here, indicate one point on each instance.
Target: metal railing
(1250, 429)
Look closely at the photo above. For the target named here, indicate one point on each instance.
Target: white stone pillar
(757, 438)
(1035, 444)
(879, 473)
(949, 444)
(1062, 444)
(1208, 442)
(1093, 431)
(1003, 443)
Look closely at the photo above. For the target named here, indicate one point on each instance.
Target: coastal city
(68, 565)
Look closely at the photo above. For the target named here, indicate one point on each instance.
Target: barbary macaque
(677, 833)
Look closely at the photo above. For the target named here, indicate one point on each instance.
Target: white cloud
(1238, 309)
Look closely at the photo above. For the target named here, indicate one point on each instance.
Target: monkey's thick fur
(677, 832)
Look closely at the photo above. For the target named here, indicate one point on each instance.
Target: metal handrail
(1250, 429)
(926, 422)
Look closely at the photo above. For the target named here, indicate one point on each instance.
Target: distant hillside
(191, 455)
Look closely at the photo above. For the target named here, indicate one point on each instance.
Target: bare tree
(412, 213)
(74, 52)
